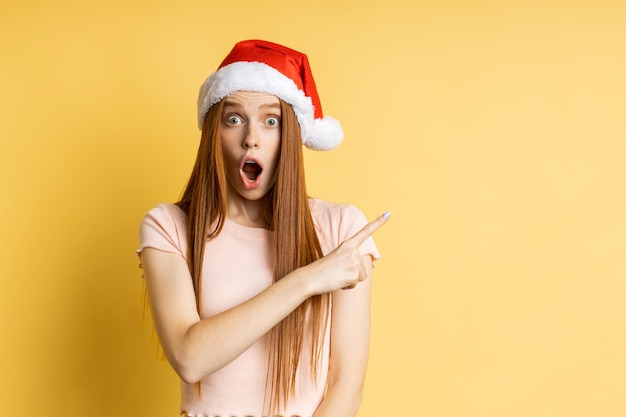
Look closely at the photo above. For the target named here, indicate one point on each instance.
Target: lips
(251, 171)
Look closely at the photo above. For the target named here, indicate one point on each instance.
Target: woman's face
(250, 134)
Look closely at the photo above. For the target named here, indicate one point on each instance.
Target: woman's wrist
(303, 284)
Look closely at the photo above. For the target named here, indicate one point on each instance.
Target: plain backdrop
(495, 132)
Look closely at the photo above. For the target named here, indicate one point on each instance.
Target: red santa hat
(270, 68)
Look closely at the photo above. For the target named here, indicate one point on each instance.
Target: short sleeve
(338, 222)
(164, 228)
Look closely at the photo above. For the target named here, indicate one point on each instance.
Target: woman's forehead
(244, 97)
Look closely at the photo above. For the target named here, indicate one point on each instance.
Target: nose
(251, 139)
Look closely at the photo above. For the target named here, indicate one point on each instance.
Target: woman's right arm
(197, 347)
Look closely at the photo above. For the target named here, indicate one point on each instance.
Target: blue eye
(233, 120)
(272, 121)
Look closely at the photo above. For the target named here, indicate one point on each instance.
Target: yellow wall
(494, 131)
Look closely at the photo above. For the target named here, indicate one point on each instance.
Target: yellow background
(494, 131)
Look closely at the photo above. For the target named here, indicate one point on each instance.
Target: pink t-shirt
(237, 266)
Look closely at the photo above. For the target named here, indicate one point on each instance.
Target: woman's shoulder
(164, 228)
(166, 216)
(338, 217)
(167, 210)
(335, 222)
(325, 208)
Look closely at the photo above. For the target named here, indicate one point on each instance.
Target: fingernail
(386, 214)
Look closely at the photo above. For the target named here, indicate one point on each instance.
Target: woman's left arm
(349, 348)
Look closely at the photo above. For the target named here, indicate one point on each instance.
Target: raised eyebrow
(270, 106)
(228, 103)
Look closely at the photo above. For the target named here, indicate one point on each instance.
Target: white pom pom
(324, 135)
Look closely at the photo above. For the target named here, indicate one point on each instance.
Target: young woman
(260, 295)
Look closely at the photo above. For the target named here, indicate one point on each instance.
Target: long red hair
(296, 243)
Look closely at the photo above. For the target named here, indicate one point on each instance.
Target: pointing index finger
(361, 236)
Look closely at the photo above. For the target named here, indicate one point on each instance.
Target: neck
(250, 213)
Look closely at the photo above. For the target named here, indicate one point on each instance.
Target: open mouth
(252, 170)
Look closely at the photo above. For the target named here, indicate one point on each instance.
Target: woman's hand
(344, 267)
